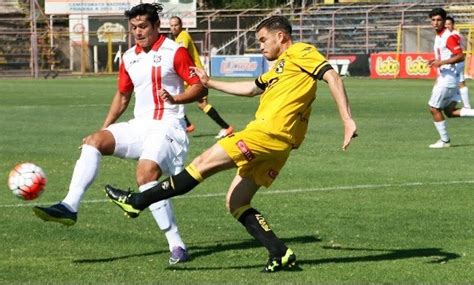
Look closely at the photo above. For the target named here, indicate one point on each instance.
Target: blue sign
(238, 65)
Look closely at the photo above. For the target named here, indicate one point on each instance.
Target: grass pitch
(389, 210)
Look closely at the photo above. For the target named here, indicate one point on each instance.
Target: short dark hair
(450, 18)
(275, 23)
(177, 18)
(438, 12)
(150, 10)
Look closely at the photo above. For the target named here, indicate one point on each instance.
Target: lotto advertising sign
(408, 65)
(238, 66)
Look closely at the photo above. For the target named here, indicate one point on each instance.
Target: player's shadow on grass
(462, 145)
(202, 135)
(198, 251)
(433, 255)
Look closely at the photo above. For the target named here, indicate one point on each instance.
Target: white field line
(283, 191)
(57, 106)
(78, 105)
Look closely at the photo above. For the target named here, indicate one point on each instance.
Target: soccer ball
(27, 181)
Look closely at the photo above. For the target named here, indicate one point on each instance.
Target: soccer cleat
(224, 132)
(178, 254)
(440, 144)
(122, 199)
(275, 264)
(56, 213)
(190, 128)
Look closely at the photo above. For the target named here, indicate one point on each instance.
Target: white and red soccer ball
(27, 181)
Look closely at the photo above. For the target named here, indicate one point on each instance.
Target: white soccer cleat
(440, 144)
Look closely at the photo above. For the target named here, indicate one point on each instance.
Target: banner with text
(238, 66)
(408, 65)
(350, 64)
(186, 9)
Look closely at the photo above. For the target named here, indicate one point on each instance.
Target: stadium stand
(14, 33)
(344, 28)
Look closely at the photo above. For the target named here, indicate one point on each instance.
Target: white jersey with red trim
(460, 65)
(165, 66)
(446, 45)
(462, 41)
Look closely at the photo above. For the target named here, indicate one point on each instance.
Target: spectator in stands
(448, 51)
(155, 137)
(183, 38)
(463, 90)
(259, 151)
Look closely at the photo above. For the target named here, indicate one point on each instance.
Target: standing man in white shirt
(156, 136)
(463, 90)
(448, 51)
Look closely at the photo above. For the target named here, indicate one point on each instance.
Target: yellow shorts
(257, 154)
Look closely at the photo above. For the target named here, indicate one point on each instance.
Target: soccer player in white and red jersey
(448, 51)
(154, 69)
(463, 90)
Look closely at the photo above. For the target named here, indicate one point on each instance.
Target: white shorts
(164, 142)
(442, 97)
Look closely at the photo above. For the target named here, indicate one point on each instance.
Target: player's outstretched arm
(241, 88)
(117, 107)
(338, 92)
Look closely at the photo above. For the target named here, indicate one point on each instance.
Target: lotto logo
(245, 150)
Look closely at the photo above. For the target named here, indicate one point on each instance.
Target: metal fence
(34, 44)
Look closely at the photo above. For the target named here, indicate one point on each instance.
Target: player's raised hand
(201, 73)
(165, 96)
(350, 132)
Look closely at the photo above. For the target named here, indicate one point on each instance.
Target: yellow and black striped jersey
(289, 90)
(184, 40)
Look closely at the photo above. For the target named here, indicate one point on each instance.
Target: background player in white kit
(156, 66)
(463, 90)
(448, 51)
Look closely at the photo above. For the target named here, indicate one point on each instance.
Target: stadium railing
(335, 29)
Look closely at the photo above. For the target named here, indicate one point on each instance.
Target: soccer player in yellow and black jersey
(183, 38)
(262, 148)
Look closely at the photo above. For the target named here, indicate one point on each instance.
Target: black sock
(258, 227)
(175, 185)
(188, 123)
(217, 118)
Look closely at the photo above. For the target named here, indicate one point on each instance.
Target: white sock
(443, 132)
(465, 97)
(85, 171)
(162, 211)
(465, 112)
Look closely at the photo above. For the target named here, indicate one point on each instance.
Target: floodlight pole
(34, 40)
